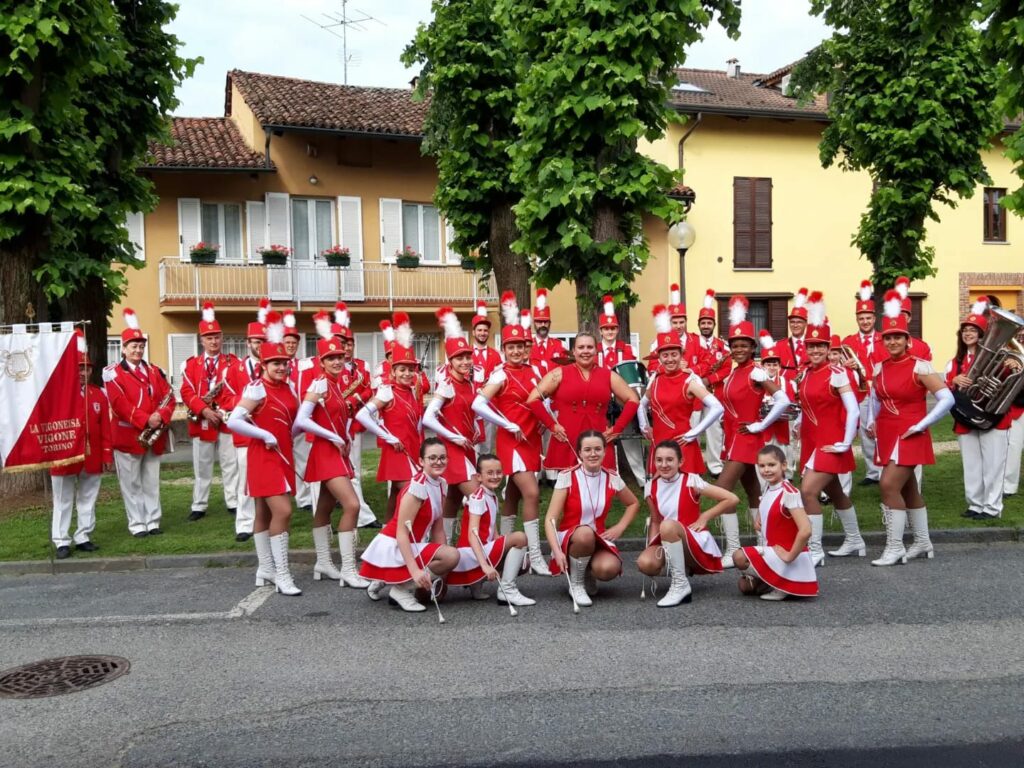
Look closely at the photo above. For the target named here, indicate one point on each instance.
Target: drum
(633, 373)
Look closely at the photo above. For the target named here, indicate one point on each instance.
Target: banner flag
(41, 425)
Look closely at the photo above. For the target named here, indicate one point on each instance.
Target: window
(312, 227)
(769, 312)
(421, 231)
(221, 225)
(235, 345)
(916, 324)
(114, 350)
(752, 223)
(995, 215)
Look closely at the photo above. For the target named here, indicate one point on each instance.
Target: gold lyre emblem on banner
(16, 365)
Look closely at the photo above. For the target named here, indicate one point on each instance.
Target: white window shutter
(390, 228)
(449, 235)
(256, 228)
(190, 230)
(278, 214)
(350, 235)
(136, 226)
(634, 342)
(180, 347)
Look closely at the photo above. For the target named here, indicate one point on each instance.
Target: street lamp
(682, 236)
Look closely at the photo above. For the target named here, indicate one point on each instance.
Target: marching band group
(467, 451)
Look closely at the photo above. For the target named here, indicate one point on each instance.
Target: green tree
(593, 79)
(85, 86)
(911, 103)
(468, 71)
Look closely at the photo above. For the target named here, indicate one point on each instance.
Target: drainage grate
(65, 674)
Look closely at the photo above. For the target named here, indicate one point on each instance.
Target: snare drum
(633, 373)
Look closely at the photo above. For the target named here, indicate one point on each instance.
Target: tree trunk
(511, 271)
(17, 288)
(608, 228)
(89, 302)
(586, 305)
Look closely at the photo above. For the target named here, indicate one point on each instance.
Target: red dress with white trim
(824, 419)
(903, 404)
(587, 503)
(679, 500)
(671, 408)
(457, 415)
(271, 471)
(331, 412)
(482, 504)
(741, 398)
(402, 415)
(778, 432)
(580, 404)
(798, 577)
(517, 381)
(382, 559)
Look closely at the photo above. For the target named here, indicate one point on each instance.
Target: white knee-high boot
(731, 528)
(679, 587)
(349, 576)
(922, 546)
(895, 523)
(265, 571)
(577, 573)
(853, 544)
(537, 563)
(508, 591)
(324, 566)
(814, 544)
(283, 583)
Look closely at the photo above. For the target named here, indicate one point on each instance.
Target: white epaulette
(305, 363)
(110, 372)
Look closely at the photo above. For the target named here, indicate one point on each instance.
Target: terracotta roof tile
(709, 90)
(307, 104)
(205, 142)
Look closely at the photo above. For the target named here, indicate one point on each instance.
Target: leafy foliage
(912, 103)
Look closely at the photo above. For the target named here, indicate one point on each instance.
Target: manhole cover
(66, 674)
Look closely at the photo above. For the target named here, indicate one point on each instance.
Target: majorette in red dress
(671, 408)
(798, 577)
(457, 415)
(741, 397)
(482, 504)
(903, 401)
(517, 381)
(587, 503)
(331, 412)
(824, 419)
(580, 403)
(401, 413)
(679, 500)
(271, 471)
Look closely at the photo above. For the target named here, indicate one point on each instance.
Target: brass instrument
(148, 437)
(790, 414)
(209, 399)
(997, 374)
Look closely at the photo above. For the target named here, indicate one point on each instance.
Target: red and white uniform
(696, 356)
(98, 446)
(870, 348)
(199, 375)
(610, 356)
(271, 471)
(237, 378)
(517, 382)
(579, 404)
(798, 577)
(793, 356)
(741, 397)
(543, 353)
(587, 503)
(134, 393)
(331, 412)
(482, 504)
(919, 348)
(457, 415)
(824, 419)
(713, 351)
(778, 432)
(402, 414)
(672, 407)
(679, 500)
(382, 559)
(903, 404)
(487, 358)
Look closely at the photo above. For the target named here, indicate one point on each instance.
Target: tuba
(997, 374)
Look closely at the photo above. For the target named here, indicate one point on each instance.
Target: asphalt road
(914, 665)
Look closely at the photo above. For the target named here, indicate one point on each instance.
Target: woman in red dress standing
(829, 416)
(266, 414)
(399, 403)
(672, 395)
(450, 416)
(902, 440)
(323, 416)
(742, 393)
(777, 433)
(502, 402)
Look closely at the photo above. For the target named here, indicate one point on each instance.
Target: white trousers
(984, 460)
(867, 444)
(245, 511)
(355, 455)
(74, 491)
(1011, 479)
(203, 456)
(300, 451)
(139, 477)
(714, 437)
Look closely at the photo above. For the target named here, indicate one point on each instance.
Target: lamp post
(681, 236)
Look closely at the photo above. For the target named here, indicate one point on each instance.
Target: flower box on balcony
(469, 264)
(203, 253)
(338, 256)
(275, 255)
(407, 258)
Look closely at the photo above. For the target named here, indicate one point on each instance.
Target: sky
(271, 36)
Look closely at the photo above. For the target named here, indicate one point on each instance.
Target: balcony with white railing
(187, 285)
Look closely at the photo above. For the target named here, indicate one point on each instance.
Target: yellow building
(311, 165)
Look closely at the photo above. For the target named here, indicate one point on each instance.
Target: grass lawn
(25, 532)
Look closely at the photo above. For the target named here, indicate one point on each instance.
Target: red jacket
(543, 354)
(697, 358)
(621, 353)
(134, 396)
(791, 356)
(195, 384)
(487, 358)
(867, 358)
(237, 377)
(98, 446)
(717, 355)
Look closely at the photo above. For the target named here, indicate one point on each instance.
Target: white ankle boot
(922, 546)
(853, 544)
(814, 544)
(577, 574)
(403, 595)
(349, 576)
(508, 591)
(731, 528)
(283, 583)
(537, 562)
(774, 595)
(679, 587)
(324, 567)
(508, 524)
(895, 522)
(265, 572)
(376, 589)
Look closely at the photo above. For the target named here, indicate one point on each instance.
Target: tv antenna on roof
(357, 21)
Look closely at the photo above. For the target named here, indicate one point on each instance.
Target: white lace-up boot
(283, 583)
(895, 522)
(349, 572)
(731, 528)
(853, 544)
(324, 567)
(537, 563)
(922, 546)
(508, 591)
(814, 543)
(404, 596)
(577, 573)
(265, 572)
(679, 586)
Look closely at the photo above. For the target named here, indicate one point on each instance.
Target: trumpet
(148, 437)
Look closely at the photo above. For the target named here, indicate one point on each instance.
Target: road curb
(308, 556)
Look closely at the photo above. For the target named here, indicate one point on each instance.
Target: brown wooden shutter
(778, 320)
(752, 223)
(763, 223)
(916, 324)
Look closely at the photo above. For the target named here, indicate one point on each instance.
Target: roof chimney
(414, 82)
(732, 67)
